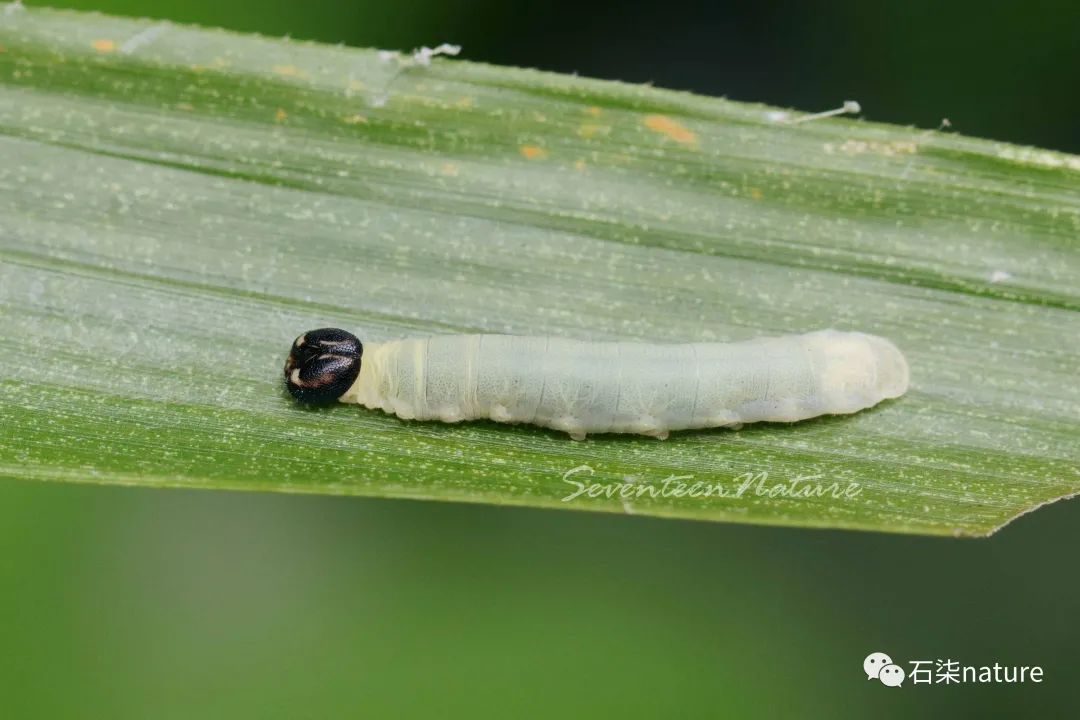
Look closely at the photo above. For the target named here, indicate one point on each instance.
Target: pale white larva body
(628, 387)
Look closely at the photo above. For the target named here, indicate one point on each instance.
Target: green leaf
(177, 204)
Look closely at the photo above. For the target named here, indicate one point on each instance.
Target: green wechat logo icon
(879, 666)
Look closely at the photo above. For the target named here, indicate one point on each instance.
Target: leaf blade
(171, 217)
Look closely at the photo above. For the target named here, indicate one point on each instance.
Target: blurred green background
(129, 603)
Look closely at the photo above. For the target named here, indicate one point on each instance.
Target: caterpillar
(583, 388)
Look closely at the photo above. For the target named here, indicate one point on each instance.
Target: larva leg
(500, 413)
(653, 431)
(726, 419)
(650, 426)
(569, 425)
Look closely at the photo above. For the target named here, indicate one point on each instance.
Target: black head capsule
(322, 365)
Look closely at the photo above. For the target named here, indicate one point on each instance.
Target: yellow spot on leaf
(532, 152)
(756, 193)
(450, 169)
(594, 111)
(579, 166)
(465, 103)
(860, 147)
(104, 46)
(355, 120)
(280, 115)
(184, 106)
(590, 130)
(673, 129)
(288, 71)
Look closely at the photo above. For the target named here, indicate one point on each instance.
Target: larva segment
(658, 389)
(767, 379)
(856, 370)
(447, 380)
(510, 377)
(581, 383)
